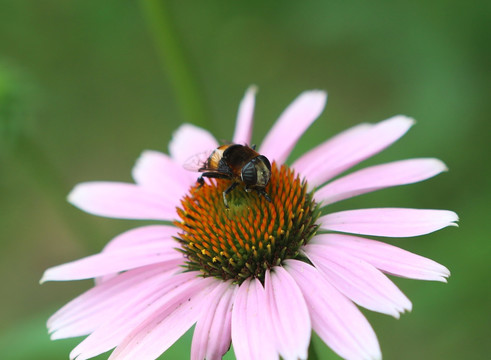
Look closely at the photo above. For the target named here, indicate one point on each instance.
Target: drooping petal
(212, 334)
(349, 148)
(289, 314)
(251, 332)
(167, 323)
(86, 312)
(358, 280)
(308, 162)
(143, 235)
(121, 200)
(189, 140)
(111, 262)
(388, 258)
(133, 311)
(379, 177)
(243, 127)
(156, 234)
(393, 222)
(292, 123)
(158, 173)
(335, 319)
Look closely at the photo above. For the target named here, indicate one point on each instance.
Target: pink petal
(358, 280)
(251, 332)
(393, 222)
(158, 173)
(289, 314)
(115, 261)
(292, 123)
(388, 258)
(335, 319)
(189, 140)
(243, 127)
(212, 334)
(167, 323)
(129, 312)
(121, 200)
(86, 312)
(349, 148)
(379, 177)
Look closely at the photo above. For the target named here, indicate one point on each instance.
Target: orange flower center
(253, 234)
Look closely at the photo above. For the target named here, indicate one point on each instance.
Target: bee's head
(257, 172)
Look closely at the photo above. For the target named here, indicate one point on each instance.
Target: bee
(239, 163)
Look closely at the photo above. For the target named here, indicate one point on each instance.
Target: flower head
(262, 272)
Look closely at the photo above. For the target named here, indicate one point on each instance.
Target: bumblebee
(239, 163)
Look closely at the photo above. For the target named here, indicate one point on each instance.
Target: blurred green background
(85, 86)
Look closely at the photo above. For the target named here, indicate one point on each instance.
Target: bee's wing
(198, 162)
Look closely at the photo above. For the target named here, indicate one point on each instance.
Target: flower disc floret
(253, 235)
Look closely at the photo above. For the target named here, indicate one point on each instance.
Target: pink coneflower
(262, 274)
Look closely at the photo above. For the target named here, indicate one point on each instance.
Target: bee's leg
(214, 175)
(229, 189)
(264, 193)
(200, 181)
(253, 146)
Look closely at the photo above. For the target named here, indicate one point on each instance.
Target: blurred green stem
(177, 69)
(312, 352)
(40, 168)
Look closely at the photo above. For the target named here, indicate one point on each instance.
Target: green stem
(186, 89)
